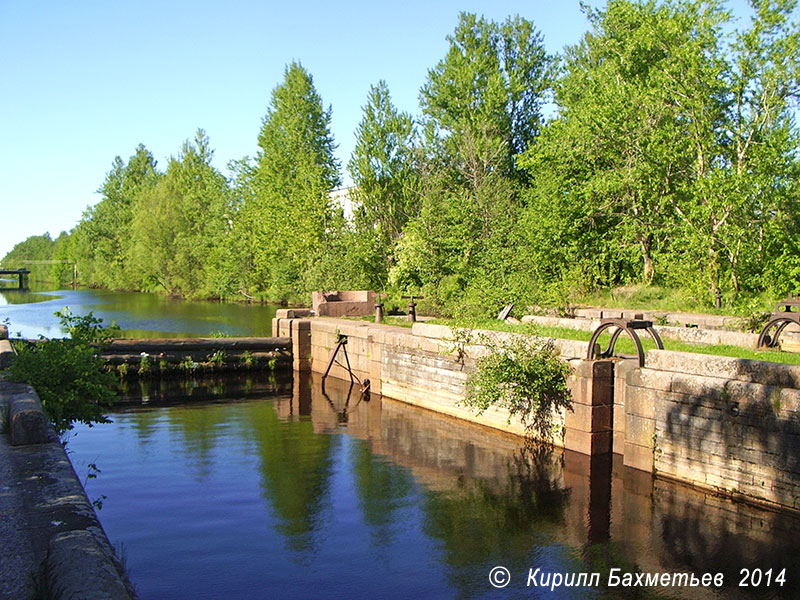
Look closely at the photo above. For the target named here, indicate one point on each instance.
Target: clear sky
(82, 82)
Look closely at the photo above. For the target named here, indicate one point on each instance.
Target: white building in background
(341, 196)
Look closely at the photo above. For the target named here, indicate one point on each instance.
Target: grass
(624, 344)
(656, 298)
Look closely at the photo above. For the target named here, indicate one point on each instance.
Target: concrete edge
(80, 567)
(7, 353)
(28, 423)
(79, 561)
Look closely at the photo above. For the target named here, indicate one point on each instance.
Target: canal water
(279, 489)
(272, 487)
(30, 313)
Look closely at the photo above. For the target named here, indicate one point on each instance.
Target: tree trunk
(649, 269)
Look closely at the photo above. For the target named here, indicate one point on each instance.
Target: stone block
(589, 313)
(638, 457)
(27, 421)
(6, 353)
(642, 402)
(585, 417)
(571, 348)
(611, 314)
(724, 367)
(293, 313)
(78, 566)
(350, 303)
(622, 367)
(430, 330)
(618, 442)
(639, 430)
(618, 418)
(587, 442)
(650, 378)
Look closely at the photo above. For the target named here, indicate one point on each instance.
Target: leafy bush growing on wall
(524, 376)
(67, 373)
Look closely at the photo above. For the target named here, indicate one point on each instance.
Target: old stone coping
(6, 350)
(701, 320)
(443, 333)
(713, 337)
(63, 529)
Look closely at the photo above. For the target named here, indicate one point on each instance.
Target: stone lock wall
(426, 366)
(723, 424)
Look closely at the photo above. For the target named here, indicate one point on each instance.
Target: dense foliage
(67, 374)
(660, 150)
(525, 377)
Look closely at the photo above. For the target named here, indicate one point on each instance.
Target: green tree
(290, 213)
(33, 248)
(62, 270)
(481, 106)
(102, 244)
(483, 100)
(178, 224)
(67, 374)
(617, 148)
(386, 182)
(673, 153)
(742, 212)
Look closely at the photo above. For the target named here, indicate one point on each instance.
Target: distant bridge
(19, 272)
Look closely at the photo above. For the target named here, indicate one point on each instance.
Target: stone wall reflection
(490, 495)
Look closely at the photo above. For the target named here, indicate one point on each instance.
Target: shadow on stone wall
(739, 437)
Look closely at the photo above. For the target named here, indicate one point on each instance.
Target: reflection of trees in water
(382, 489)
(157, 390)
(296, 467)
(295, 463)
(501, 519)
(10, 294)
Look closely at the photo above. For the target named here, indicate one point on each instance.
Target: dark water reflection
(140, 315)
(281, 491)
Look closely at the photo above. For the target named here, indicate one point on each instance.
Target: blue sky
(83, 82)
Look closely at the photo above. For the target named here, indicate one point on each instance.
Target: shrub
(67, 374)
(524, 376)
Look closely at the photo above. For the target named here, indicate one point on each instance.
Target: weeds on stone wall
(524, 376)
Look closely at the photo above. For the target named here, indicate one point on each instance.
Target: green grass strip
(624, 344)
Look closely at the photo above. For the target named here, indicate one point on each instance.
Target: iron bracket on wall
(786, 312)
(628, 326)
(342, 345)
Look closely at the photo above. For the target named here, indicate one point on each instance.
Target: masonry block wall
(717, 422)
(426, 367)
